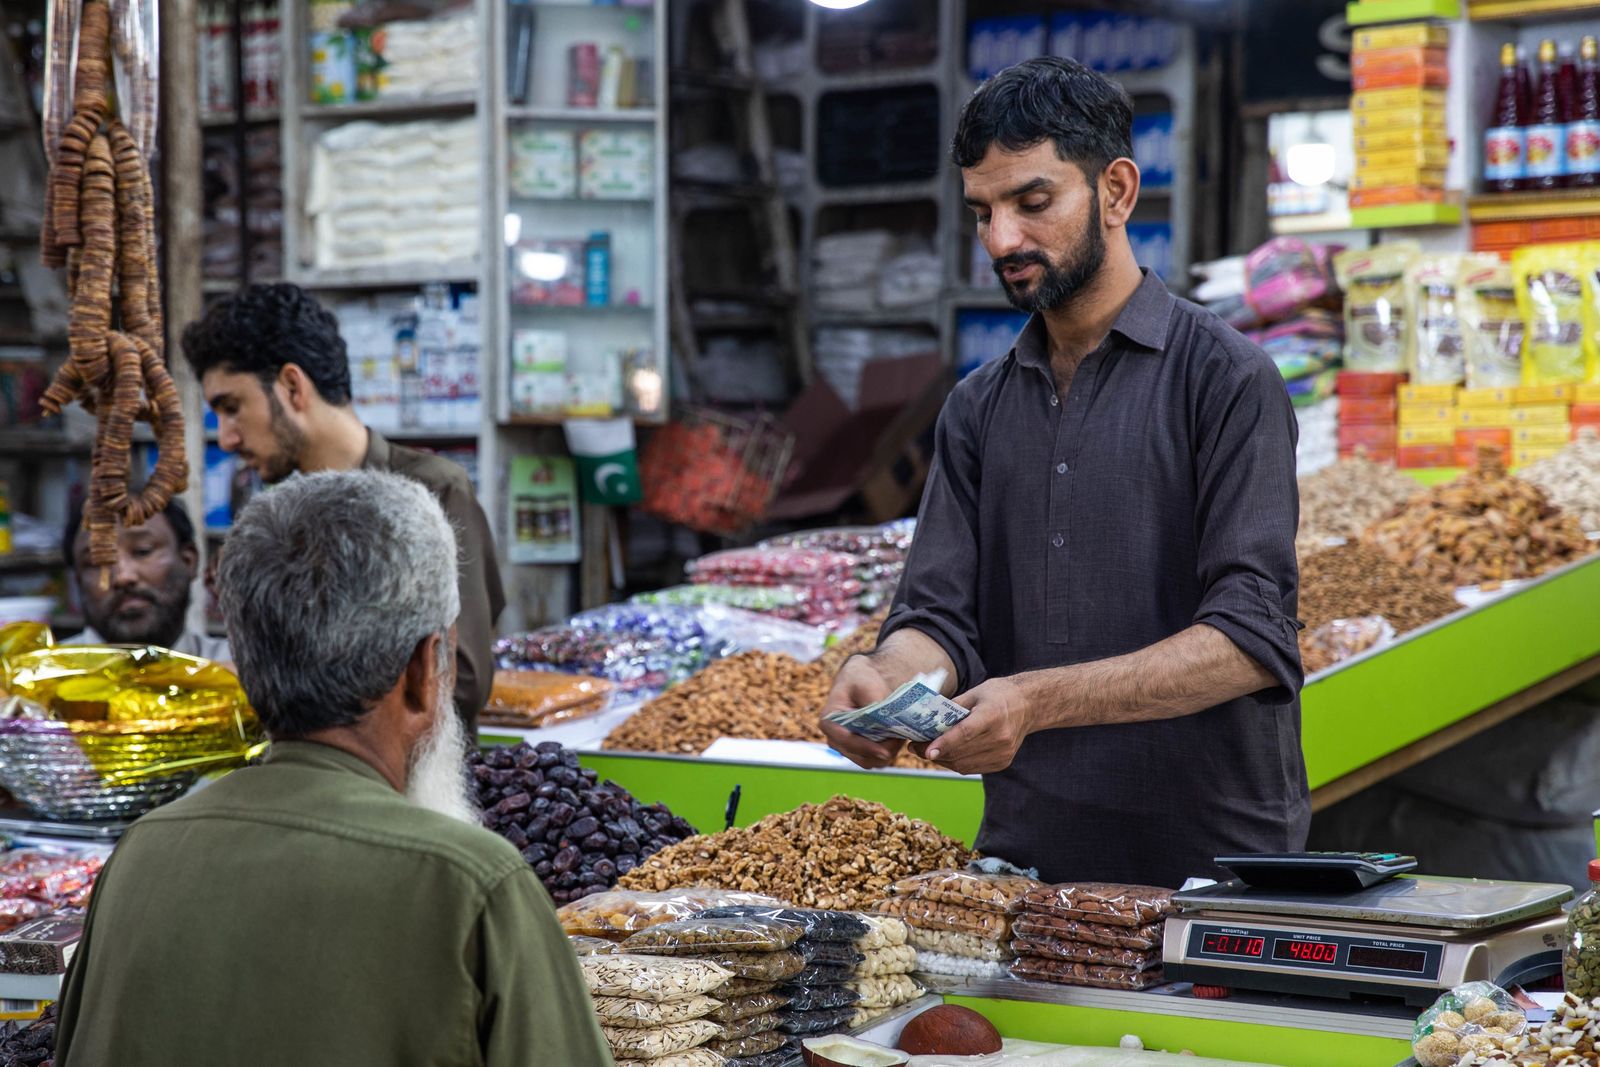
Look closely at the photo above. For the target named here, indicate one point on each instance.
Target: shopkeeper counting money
(1104, 562)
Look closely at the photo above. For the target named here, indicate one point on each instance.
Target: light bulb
(1310, 164)
(838, 5)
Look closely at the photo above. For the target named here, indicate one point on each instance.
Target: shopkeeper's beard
(290, 441)
(1059, 282)
(437, 777)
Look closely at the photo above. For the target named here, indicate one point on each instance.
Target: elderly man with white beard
(337, 904)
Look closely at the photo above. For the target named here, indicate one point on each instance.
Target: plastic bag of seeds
(1039, 924)
(820, 974)
(754, 1045)
(630, 1013)
(730, 1011)
(833, 953)
(889, 991)
(967, 889)
(750, 1024)
(895, 959)
(818, 997)
(692, 937)
(816, 1022)
(1466, 1019)
(659, 1040)
(933, 915)
(819, 924)
(953, 944)
(744, 987)
(1065, 972)
(583, 945)
(650, 977)
(1103, 902)
(695, 1057)
(617, 913)
(883, 931)
(1083, 952)
(762, 966)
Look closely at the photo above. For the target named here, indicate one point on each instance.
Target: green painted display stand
(1221, 1039)
(1358, 713)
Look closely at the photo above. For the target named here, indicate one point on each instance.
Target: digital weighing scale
(1407, 937)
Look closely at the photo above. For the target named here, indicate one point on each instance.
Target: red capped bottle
(1505, 142)
(1583, 131)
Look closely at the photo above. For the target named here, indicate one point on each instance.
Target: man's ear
(422, 676)
(298, 387)
(1119, 192)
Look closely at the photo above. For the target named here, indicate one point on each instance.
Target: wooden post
(181, 243)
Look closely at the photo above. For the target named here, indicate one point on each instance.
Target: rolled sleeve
(938, 592)
(1247, 510)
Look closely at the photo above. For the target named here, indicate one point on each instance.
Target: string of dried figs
(99, 224)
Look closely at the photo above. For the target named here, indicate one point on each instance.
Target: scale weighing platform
(1407, 937)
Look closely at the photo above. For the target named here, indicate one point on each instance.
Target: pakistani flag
(608, 465)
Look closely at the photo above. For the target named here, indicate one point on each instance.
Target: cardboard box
(1410, 99)
(544, 164)
(1484, 416)
(1467, 440)
(1355, 409)
(1418, 415)
(1398, 118)
(1425, 76)
(1367, 383)
(1375, 455)
(1560, 393)
(1404, 58)
(1427, 394)
(1410, 156)
(1441, 434)
(1398, 178)
(1588, 394)
(1403, 137)
(1370, 435)
(616, 165)
(1522, 455)
(1405, 35)
(1585, 414)
(1403, 194)
(1541, 435)
(1540, 414)
(1418, 457)
(1486, 398)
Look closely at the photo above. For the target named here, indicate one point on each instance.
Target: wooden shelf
(1529, 10)
(450, 103)
(1557, 203)
(387, 276)
(253, 117)
(581, 114)
(1376, 12)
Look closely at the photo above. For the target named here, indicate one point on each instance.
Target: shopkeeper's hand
(988, 739)
(858, 684)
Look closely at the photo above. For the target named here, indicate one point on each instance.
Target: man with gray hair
(337, 904)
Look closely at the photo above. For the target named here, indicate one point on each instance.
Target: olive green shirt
(304, 912)
(483, 598)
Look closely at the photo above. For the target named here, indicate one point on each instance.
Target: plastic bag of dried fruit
(1338, 640)
(1472, 1018)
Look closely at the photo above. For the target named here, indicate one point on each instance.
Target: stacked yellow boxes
(1529, 422)
(1427, 426)
(1400, 76)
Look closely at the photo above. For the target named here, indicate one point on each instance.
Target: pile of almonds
(1340, 501)
(841, 854)
(1484, 527)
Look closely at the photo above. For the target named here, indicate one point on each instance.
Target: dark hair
(261, 328)
(176, 514)
(1087, 115)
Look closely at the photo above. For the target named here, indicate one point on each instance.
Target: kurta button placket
(1058, 540)
(1061, 468)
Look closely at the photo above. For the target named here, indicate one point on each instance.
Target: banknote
(914, 712)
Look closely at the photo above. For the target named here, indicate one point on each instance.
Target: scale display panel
(1320, 952)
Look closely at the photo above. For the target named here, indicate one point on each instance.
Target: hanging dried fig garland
(99, 224)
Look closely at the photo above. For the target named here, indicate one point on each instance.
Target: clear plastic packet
(583, 945)
(1375, 311)
(953, 944)
(888, 991)
(883, 931)
(695, 1057)
(832, 953)
(1338, 639)
(774, 566)
(819, 924)
(932, 915)
(820, 974)
(1469, 1018)
(631, 1013)
(733, 1009)
(750, 1025)
(1084, 952)
(1491, 326)
(819, 997)
(617, 913)
(638, 647)
(1437, 348)
(863, 542)
(816, 1022)
(1550, 299)
(1039, 924)
(650, 977)
(744, 987)
(962, 966)
(892, 959)
(1104, 902)
(543, 698)
(986, 892)
(692, 937)
(1065, 972)
(779, 966)
(754, 1045)
(746, 631)
(659, 1041)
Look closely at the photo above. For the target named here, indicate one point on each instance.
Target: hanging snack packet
(1550, 298)
(1438, 353)
(1491, 328)
(1375, 312)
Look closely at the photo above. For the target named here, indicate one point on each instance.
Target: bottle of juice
(1546, 134)
(1583, 131)
(1505, 142)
